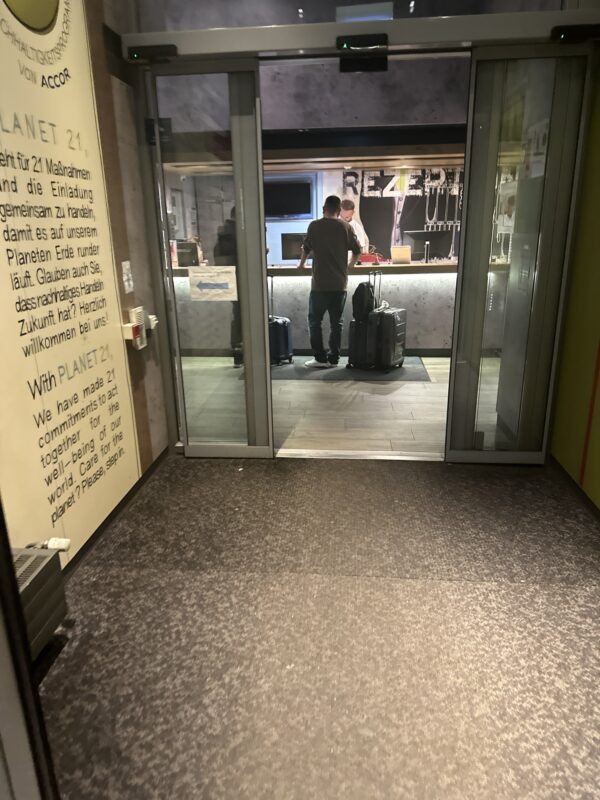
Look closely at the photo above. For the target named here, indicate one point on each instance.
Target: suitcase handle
(376, 296)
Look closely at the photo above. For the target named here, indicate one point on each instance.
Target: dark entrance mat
(413, 369)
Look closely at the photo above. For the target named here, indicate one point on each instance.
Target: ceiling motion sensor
(575, 34)
(363, 53)
(152, 53)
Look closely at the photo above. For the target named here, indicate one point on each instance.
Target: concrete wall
(139, 244)
(155, 15)
(575, 439)
(426, 91)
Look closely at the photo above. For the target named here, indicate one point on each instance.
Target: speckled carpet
(334, 629)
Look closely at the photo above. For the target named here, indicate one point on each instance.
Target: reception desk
(426, 291)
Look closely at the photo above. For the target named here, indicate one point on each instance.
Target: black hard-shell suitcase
(280, 336)
(362, 343)
(391, 340)
(280, 340)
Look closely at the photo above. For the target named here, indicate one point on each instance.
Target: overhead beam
(405, 35)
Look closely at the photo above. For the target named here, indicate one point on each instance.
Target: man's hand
(302, 263)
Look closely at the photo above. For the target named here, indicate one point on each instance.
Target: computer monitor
(440, 243)
(291, 246)
(187, 254)
(292, 198)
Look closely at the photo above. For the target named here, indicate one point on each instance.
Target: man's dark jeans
(318, 304)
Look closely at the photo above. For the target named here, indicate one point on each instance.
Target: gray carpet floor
(334, 629)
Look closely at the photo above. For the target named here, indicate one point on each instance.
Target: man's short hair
(333, 204)
(348, 205)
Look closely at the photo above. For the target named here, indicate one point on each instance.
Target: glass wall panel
(201, 218)
(525, 123)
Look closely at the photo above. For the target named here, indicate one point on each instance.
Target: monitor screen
(440, 243)
(288, 199)
(291, 246)
(187, 254)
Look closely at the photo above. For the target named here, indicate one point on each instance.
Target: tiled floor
(404, 418)
(391, 418)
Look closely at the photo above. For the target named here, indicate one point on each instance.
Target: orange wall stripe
(588, 430)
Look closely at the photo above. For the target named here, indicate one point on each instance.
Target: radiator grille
(26, 566)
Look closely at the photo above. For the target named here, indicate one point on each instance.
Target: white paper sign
(127, 276)
(68, 437)
(213, 283)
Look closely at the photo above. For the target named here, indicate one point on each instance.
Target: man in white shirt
(347, 214)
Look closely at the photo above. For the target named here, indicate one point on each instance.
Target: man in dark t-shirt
(328, 240)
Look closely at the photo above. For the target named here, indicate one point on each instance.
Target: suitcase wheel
(349, 366)
(290, 360)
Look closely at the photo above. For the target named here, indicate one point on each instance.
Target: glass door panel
(524, 129)
(212, 205)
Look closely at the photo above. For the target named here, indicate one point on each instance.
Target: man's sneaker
(314, 364)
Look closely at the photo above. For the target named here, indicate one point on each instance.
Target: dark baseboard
(441, 352)
(206, 352)
(427, 352)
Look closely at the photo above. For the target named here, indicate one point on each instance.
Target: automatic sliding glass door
(210, 182)
(525, 115)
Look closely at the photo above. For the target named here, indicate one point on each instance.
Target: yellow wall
(581, 339)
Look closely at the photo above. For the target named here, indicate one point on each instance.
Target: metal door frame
(485, 36)
(563, 206)
(245, 125)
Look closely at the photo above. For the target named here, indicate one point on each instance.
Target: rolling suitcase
(391, 340)
(379, 341)
(362, 344)
(280, 336)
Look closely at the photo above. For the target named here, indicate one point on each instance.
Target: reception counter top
(415, 268)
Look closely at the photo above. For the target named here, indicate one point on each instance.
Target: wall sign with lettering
(68, 444)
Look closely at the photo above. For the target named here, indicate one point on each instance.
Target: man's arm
(354, 246)
(363, 239)
(303, 258)
(306, 251)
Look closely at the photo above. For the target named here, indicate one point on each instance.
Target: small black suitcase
(280, 336)
(362, 343)
(391, 339)
(280, 340)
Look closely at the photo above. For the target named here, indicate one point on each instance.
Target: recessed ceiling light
(347, 166)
